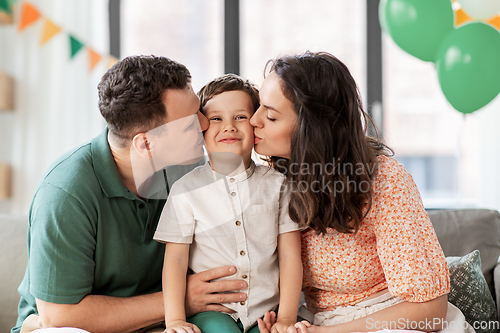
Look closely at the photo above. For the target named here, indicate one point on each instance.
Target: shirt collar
(158, 186)
(105, 168)
(242, 176)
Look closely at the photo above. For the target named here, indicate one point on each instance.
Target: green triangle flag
(76, 45)
(5, 6)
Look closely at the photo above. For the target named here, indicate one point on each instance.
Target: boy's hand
(302, 326)
(283, 326)
(180, 326)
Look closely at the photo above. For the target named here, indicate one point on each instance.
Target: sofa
(13, 259)
(459, 232)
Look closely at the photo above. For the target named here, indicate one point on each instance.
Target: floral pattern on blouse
(396, 248)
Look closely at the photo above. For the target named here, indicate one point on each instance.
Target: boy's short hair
(228, 82)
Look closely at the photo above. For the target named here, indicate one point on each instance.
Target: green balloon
(381, 15)
(417, 26)
(468, 66)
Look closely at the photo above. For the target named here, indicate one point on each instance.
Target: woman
(371, 258)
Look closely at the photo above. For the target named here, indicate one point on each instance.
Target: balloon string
(460, 165)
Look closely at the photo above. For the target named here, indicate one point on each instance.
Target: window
(188, 31)
(435, 143)
(436, 178)
(270, 29)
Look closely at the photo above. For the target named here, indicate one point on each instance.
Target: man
(92, 261)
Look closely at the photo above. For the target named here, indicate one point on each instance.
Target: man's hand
(203, 295)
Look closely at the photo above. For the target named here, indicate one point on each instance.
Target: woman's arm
(290, 280)
(426, 316)
(174, 288)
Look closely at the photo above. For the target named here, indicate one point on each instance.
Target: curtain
(55, 95)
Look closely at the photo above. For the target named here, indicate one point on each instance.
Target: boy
(231, 212)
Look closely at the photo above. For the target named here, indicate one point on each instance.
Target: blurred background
(56, 56)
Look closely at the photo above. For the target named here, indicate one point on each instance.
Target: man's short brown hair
(131, 93)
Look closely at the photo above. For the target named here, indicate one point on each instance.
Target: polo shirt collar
(242, 176)
(105, 168)
(157, 186)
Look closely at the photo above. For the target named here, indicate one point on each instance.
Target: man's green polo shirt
(88, 234)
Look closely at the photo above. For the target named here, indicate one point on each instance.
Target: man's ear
(141, 145)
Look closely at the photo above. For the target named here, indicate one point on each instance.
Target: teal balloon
(417, 26)
(381, 15)
(468, 66)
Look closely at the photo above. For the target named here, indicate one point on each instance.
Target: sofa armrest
(13, 258)
(496, 281)
(460, 231)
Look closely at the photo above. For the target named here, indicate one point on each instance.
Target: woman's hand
(203, 295)
(267, 323)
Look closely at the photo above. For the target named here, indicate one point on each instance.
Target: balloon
(468, 66)
(381, 16)
(481, 9)
(417, 26)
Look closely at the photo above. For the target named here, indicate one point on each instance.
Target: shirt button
(242, 302)
(238, 223)
(233, 194)
(231, 180)
(242, 253)
(244, 276)
(141, 206)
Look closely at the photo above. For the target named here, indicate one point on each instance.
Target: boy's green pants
(218, 322)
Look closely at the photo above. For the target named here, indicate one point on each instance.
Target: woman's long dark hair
(333, 161)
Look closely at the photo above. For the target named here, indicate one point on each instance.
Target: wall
(56, 97)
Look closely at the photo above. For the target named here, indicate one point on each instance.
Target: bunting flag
(494, 21)
(6, 18)
(94, 58)
(5, 7)
(75, 45)
(49, 30)
(29, 15)
(461, 17)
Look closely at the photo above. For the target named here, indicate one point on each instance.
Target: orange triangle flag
(29, 15)
(461, 17)
(94, 58)
(49, 31)
(494, 21)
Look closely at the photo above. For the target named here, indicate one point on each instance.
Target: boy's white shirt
(232, 220)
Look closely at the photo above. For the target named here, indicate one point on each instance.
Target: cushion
(470, 293)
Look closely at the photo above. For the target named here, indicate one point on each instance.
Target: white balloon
(480, 9)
